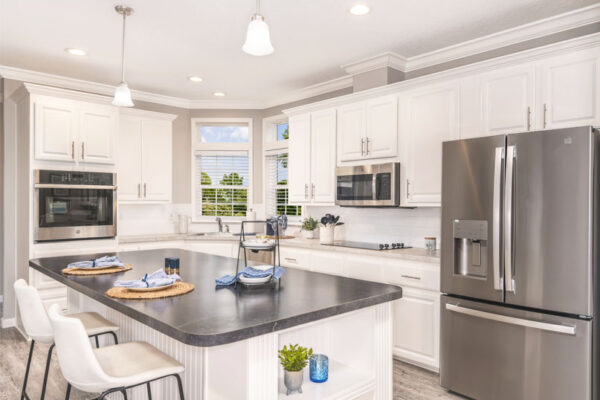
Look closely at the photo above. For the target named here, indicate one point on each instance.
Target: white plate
(244, 279)
(263, 267)
(259, 244)
(151, 289)
(105, 267)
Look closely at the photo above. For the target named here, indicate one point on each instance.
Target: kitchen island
(228, 338)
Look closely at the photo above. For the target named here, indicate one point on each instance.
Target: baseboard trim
(416, 363)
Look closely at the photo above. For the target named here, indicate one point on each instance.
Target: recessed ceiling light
(76, 52)
(196, 79)
(359, 9)
(219, 94)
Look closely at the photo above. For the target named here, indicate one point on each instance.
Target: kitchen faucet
(220, 222)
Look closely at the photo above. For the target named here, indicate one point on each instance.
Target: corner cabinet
(311, 158)
(429, 116)
(73, 131)
(145, 157)
(368, 129)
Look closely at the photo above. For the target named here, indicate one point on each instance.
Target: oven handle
(54, 186)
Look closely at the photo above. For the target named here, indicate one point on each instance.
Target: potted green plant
(308, 227)
(293, 359)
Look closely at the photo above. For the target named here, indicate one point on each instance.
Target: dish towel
(106, 261)
(156, 279)
(250, 272)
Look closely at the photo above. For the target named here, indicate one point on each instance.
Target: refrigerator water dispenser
(470, 248)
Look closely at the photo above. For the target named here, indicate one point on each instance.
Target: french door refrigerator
(519, 266)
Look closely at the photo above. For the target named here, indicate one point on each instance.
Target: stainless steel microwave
(74, 205)
(376, 185)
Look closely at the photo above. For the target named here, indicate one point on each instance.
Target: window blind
(221, 183)
(276, 202)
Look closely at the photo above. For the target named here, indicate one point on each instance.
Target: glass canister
(319, 368)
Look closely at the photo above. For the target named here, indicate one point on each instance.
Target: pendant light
(258, 38)
(122, 93)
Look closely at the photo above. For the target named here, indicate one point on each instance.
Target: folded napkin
(250, 272)
(106, 261)
(156, 279)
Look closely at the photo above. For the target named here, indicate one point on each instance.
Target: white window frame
(199, 146)
(273, 146)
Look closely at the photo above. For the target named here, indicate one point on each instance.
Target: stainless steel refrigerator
(519, 268)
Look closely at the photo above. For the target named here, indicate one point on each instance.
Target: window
(275, 140)
(221, 167)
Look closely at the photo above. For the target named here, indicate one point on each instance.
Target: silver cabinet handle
(144, 190)
(82, 150)
(291, 260)
(139, 190)
(306, 191)
(367, 146)
(499, 157)
(73, 150)
(416, 278)
(544, 326)
(508, 218)
(545, 113)
(407, 188)
(312, 191)
(362, 146)
(528, 118)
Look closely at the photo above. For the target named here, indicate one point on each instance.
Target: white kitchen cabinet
(55, 129)
(417, 327)
(299, 159)
(368, 129)
(295, 257)
(570, 90)
(429, 117)
(508, 99)
(145, 158)
(366, 268)
(311, 158)
(74, 131)
(225, 249)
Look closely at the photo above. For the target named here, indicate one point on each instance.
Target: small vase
(326, 234)
(293, 381)
(308, 234)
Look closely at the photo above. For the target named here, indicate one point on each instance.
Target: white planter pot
(339, 232)
(308, 234)
(293, 381)
(326, 234)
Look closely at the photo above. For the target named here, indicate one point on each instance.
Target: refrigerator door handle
(499, 157)
(508, 220)
(544, 326)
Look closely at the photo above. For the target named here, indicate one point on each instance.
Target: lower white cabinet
(417, 327)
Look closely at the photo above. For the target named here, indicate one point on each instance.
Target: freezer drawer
(490, 352)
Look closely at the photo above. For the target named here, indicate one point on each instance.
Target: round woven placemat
(176, 290)
(111, 270)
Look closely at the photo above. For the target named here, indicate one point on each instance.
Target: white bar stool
(38, 328)
(111, 368)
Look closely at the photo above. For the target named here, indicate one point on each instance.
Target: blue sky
(220, 134)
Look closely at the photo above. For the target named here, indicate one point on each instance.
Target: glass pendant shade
(122, 96)
(258, 38)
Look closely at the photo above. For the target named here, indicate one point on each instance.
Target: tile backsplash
(409, 226)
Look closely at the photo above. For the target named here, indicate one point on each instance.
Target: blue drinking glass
(319, 368)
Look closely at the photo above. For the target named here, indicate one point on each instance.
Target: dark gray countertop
(211, 316)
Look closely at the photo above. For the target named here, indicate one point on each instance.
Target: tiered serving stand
(244, 247)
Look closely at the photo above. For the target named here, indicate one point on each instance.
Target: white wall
(387, 225)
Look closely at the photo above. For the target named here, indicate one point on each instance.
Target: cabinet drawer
(295, 258)
(413, 274)
(326, 262)
(366, 268)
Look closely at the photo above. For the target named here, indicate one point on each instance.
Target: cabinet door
(382, 127)
(432, 118)
(351, 134)
(156, 160)
(571, 90)
(129, 164)
(299, 159)
(508, 98)
(322, 154)
(55, 129)
(97, 129)
(417, 328)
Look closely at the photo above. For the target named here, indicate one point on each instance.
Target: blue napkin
(106, 261)
(158, 278)
(249, 272)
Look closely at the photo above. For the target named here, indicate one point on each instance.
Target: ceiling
(167, 41)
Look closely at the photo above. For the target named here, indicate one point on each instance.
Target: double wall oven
(74, 205)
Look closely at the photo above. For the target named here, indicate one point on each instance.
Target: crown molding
(534, 30)
(332, 85)
(383, 60)
(136, 112)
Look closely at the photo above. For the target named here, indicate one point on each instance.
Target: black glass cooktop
(371, 246)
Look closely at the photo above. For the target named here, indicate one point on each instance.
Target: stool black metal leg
(97, 344)
(23, 394)
(180, 386)
(46, 372)
(115, 337)
(68, 394)
(149, 391)
(124, 394)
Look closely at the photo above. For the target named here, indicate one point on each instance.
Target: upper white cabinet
(312, 158)
(145, 160)
(368, 129)
(73, 131)
(570, 90)
(429, 116)
(508, 99)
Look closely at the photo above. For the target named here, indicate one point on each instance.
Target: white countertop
(413, 254)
